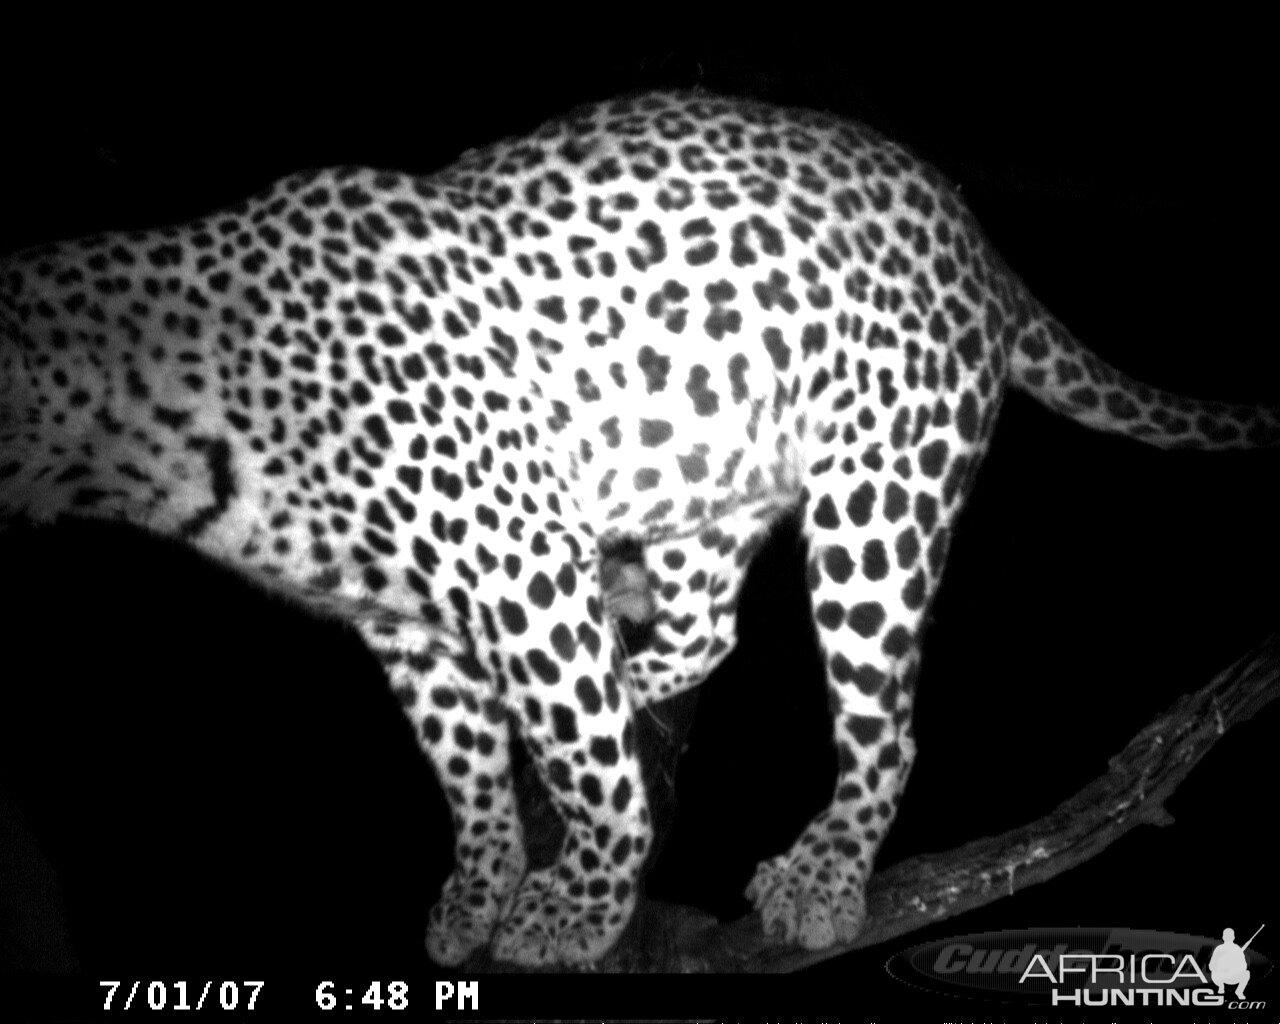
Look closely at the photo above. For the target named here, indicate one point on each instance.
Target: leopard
(435, 407)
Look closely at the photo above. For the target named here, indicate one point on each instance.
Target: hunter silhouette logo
(1227, 966)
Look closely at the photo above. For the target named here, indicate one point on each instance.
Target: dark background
(218, 779)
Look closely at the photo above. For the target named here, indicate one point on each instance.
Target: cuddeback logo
(1089, 967)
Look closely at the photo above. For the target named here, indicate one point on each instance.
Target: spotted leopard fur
(425, 406)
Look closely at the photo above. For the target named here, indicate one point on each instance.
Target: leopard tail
(1046, 362)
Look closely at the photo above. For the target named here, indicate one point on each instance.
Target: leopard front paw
(469, 908)
(546, 925)
(809, 898)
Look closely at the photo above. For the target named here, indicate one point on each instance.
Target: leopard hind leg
(871, 568)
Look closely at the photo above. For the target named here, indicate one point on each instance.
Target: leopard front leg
(462, 725)
(869, 579)
(554, 654)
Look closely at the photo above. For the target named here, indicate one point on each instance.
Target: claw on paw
(461, 921)
(806, 905)
(545, 926)
(470, 906)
